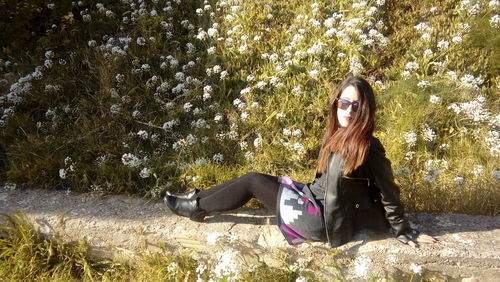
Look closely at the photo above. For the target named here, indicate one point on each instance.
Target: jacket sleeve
(381, 171)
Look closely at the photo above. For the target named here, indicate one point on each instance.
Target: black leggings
(234, 193)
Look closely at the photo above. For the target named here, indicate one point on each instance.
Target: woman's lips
(348, 118)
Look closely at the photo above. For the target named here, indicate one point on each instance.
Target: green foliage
(124, 97)
(26, 255)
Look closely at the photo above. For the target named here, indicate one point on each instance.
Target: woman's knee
(253, 174)
(261, 176)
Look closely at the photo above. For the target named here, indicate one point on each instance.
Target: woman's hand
(422, 239)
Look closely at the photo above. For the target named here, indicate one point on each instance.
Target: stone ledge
(121, 226)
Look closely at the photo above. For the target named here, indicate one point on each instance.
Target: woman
(353, 189)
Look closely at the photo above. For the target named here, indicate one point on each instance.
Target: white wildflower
(459, 181)
(218, 117)
(410, 138)
(257, 142)
(218, 158)
(314, 74)
(62, 173)
(495, 174)
(434, 99)
(145, 173)
(403, 172)
(412, 66)
(428, 133)
(457, 39)
(187, 107)
(201, 162)
(191, 139)
(211, 50)
(172, 267)
(170, 124)
(416, 268)
(143, 134)
(443, 45)
(478, 169)
(131, 160)
(297, 133)
(261, 84)
(355, 66)
(228, 266)
(470, 81)
(224, 75)
(115, 108)
(301, 279)
(423, 83)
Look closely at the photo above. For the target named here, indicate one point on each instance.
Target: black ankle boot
(187, 195)
(187, 207)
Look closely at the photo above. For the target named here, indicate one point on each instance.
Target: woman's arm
(381, 171)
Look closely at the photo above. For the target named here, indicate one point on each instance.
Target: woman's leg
(236, 192)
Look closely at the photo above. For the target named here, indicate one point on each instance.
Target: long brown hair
(352, 142)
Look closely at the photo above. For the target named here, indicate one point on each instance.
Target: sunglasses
(344, 104)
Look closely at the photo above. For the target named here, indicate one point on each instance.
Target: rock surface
(468, 247)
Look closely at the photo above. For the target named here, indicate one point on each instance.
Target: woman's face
(344, 116)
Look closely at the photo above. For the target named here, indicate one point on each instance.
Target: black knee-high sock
(236, 192)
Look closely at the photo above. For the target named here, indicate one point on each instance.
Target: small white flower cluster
(9, 186)
(131, 160)
(473, 110)
(169, 62)
(402, 172)
(410, 138)
(22, 86)
(200, 269)
(469, 81)
(478, 169)
(227, 265)
(113, 47)
(432, 169)
(69, 168)
(425, 30)
(218, 158)
(101, 160)
(493, 142)
(410, 66)
(416, 268)
(53, 88)
(172, 267)
(434, 99)
(428, 133)
(495, 21)
(355, 66)
(423, 83)
(443, 45)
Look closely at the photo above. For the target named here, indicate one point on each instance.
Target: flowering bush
(144, 96)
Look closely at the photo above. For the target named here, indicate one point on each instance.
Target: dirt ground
(119, 226)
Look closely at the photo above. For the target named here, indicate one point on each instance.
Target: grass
(27, 255)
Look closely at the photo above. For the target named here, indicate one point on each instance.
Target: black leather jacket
(366, 198)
